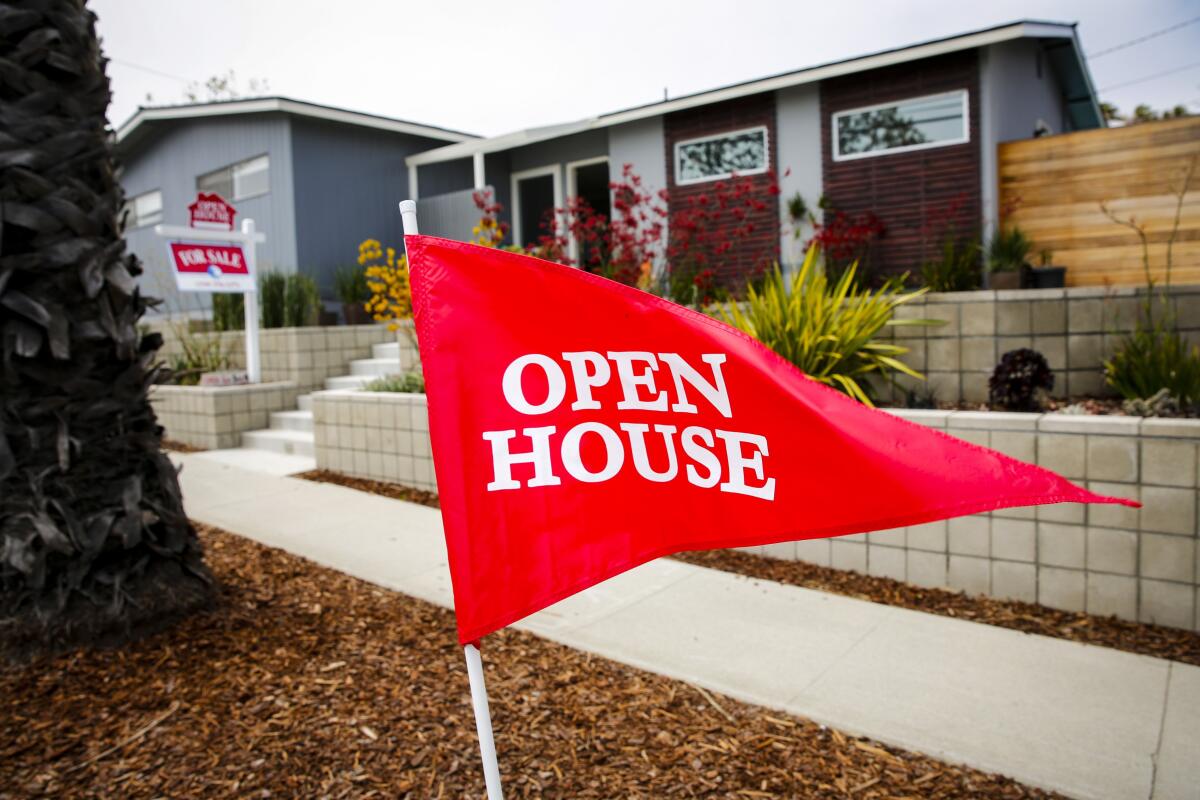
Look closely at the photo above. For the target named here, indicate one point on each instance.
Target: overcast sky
(494, 67)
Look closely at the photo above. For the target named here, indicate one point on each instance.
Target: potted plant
(350, 285)
(1047, 276)
(1007, 253)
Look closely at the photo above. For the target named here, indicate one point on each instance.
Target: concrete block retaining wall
(304, 356)
(213, 417)
(1137, 564)
(378, 435)
(1075, 329)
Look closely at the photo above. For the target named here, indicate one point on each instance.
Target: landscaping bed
(1159, 641)
(304, 682)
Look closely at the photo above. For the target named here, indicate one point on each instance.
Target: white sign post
(223, 261)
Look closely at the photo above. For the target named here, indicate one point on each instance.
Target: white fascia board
(970, 41)
(507, 141)
(915, 53)
(267, 104)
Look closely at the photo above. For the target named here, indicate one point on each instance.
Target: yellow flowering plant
(387, 278)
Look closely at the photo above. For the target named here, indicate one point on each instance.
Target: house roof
(1081, 96)
(146, 117)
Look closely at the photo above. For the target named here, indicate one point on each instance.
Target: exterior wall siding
(763, 244)
(906, 189)
(798, 115)
(348, 182)
(639, 144)
(171, 164)
(445, 176)
(1017, 89)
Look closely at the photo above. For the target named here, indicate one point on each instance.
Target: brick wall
(761, 246)
(904, 189)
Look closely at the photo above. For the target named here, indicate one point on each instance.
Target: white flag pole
(483, 723)
(250, 301)
(479, 699)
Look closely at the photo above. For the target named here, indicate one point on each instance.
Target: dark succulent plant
(1021, 381)
(94, 543)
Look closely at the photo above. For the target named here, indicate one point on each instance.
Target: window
(922, 122)
(714, 157)
(143, 210)
(238, 181)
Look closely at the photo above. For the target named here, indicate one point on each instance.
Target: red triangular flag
(581, 427)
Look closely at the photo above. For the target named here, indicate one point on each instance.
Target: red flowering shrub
(626, 245)
(701, 239)
(843, 240)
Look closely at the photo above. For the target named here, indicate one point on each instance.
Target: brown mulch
(180, 447)
(305, 682)
(1158, 641)
(393, 490)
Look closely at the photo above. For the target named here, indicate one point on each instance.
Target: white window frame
(131, 205)
(514, 185)
(233, 174)
(965, 94)
(231, 169)
(573, 187)
(722, 135)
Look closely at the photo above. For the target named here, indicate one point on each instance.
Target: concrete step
(386, 350)
(304, 402)
(297, 443)
(348, 381)
(292, 421)
(375, 366)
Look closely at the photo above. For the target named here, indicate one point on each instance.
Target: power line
(1145, 38)
(152, 71)
(1162, 74)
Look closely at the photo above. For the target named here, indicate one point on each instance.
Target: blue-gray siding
(172, 160)
(349, 181)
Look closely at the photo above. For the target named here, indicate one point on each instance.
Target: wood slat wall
(1052, 188)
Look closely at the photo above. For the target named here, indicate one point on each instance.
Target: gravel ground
(1151, 640)
(308, 683)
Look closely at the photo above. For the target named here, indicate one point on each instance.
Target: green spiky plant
(94, 543)
(829, 330)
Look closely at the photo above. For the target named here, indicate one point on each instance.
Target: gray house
(901, 134)
(317, 180)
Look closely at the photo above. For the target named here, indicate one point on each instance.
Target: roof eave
(287, 106)
(968, 41)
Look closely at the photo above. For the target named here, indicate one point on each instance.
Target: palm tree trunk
(94, 543)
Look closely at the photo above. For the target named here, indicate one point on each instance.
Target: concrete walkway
(1086, 721)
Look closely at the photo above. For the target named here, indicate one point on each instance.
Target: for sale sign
(210, 267)
(211, 211)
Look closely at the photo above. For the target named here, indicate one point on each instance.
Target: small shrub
(957, 270)
(1021, 381)
(272, 287)
(409, 382)
(350, 285)
(387, 280)
(301, 301)
(1154, 358)
(288, 301)
(1008, 250)
(829, 331)
(201, 353)
(229, 311)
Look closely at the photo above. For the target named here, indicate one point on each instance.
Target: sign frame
(248, 239)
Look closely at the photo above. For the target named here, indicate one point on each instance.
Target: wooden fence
(1052, 188)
